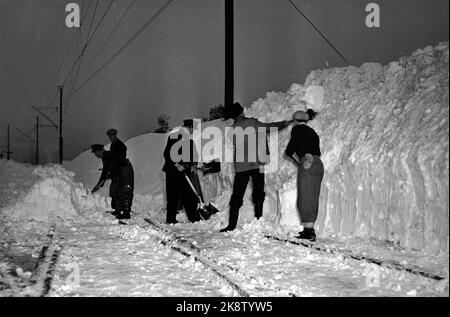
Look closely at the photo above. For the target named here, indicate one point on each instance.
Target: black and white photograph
(224, 155)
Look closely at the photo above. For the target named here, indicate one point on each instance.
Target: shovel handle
(193, 188)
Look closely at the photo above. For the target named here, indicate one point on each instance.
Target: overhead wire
(123, 47)
(102, 47)
(89, 37)
(318, 31)
(77, 59)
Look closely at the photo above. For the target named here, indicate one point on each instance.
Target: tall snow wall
(385, 144)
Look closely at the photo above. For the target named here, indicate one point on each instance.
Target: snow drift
(384, 139)
(53, 196)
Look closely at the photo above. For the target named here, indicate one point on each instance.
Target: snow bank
(384, 133)
(53, 197)
(15, 178)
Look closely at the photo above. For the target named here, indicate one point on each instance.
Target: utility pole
(8, 150)
(28, 137)
(38, 126)
(229, 54)
(37, 140)
(61, 140)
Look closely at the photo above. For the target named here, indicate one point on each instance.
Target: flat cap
(189, 123)
(112, 132)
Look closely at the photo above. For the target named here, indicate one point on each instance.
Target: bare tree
(163, 122)
(217, 112)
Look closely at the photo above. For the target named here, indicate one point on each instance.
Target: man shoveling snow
(121, 173)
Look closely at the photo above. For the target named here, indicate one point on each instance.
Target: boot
(259, 210)
(234, 215)
(115, 213)
(124, 215)
(307, 234)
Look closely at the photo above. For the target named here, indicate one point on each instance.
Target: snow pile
(384, 133)
(15, 178)
(53, 197)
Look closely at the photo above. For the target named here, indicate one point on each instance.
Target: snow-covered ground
(384, 132)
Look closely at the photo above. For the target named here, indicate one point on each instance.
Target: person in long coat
(304, 150)
(177, 187)
(247, 164)
(120, 172)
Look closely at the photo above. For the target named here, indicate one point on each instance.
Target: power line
(93, 18)
(80, 56)
(109, 37)
(153, 18)
(321, 34)
(90, 36)
(75, 76)
(50, 89)
(58, 72)
(100, 22)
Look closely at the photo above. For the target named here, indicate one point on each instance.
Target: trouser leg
(172, 196)
(258, 194)
(126, 188)
(309, 183)
(237, 198)
(114, 192)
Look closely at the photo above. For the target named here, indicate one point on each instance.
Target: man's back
(169, 164)
(119, 147)
(252, 151)
(112, 162)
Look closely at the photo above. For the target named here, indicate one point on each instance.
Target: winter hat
(188, 123)
(234, 111)
(301, 116)
(112, 132)
(312, 114)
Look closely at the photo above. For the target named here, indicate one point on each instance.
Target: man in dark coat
(177, 186)
(116, 144)
(247, 163)
(120, 172)
(120, 148)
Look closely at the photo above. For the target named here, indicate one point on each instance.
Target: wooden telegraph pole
(61, 140)
(37, 140)
(8, 149)
(229, 54)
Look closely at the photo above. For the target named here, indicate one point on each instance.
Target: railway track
(348, 254)
(188, 249)
(44, 270)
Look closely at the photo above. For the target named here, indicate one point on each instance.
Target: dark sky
(176, 66)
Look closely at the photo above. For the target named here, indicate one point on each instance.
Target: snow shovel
(212, 167)
(204, 210)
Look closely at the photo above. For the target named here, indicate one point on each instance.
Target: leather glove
(179, 167)
(309, 159)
